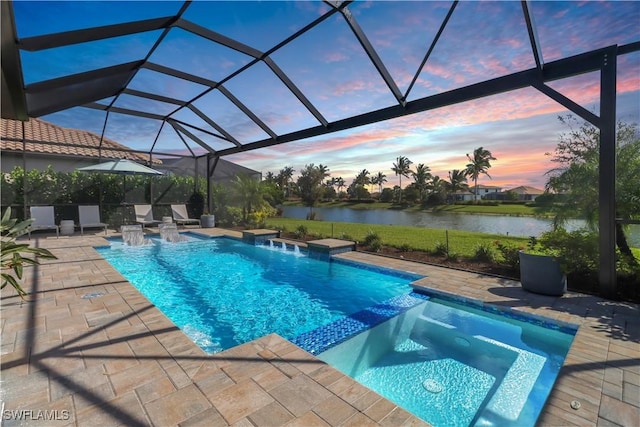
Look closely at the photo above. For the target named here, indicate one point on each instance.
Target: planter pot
(542, 274)
(208, 221)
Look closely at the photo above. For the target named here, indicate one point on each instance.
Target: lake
(522, 226)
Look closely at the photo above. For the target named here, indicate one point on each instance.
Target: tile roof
(525, 189)
(46, 138)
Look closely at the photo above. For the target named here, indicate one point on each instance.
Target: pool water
(456, 365)
(222, 292)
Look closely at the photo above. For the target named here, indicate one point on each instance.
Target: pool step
(515, 369)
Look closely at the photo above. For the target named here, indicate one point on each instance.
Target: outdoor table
(67, 227)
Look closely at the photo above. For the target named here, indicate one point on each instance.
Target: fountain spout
(169, 232)
(132, 235)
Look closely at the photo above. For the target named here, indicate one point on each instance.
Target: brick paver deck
(115, 359)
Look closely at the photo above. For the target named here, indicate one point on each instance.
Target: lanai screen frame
(20, 101)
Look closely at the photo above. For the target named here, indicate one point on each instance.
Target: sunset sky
(483, 40)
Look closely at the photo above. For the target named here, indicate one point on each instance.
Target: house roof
(43, 137)
(525, 189)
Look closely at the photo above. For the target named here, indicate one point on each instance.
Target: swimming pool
(458, 363)
(222, 292)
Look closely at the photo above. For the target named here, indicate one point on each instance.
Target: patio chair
(44, 219)
(181, 217)
(144, 215)
(90, 218)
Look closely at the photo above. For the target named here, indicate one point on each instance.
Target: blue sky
(483, 40)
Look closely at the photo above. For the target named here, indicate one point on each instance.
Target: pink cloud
(335, 57)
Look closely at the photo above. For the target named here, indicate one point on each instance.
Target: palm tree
(339, 183)
(323, 170)
(270, 177)
(362, 178)
(479, 164)
(284, 177)
(250, 193)
(421, 176)
(401, 168)
(438, 187)
(457, 181)
(379, 179)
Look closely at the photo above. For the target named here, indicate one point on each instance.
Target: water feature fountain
(169, 233)
(132, 235)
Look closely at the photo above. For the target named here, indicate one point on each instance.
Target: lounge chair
(44, 219)
(90, 218)
(181, 217)
(144, 215)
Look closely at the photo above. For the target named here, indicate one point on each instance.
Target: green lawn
(460, 242)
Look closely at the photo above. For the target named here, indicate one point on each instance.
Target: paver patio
(91, 350)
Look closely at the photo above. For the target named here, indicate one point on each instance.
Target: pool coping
(115, 359)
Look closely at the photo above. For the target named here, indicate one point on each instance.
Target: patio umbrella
(122, 167)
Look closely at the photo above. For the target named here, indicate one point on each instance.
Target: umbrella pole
(124, 198)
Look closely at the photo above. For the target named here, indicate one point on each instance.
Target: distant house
(484, 190)
(65, 149)
(460, 196)
(523, 193)
(527, 193)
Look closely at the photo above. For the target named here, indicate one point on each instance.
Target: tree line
(315, 182)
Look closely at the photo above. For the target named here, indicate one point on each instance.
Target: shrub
(510, 254)
(229, 216)
(301, 232)
(372, 241)
(484, 252)
(405, 247)
(452, 256)
(440, 249)
(576, 250)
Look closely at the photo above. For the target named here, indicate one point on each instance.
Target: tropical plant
(576, 177)
(362, 178)
(284, 178)
(339, 183)
(438, 190)
(401, 168)
(478, 164)
(457, 182)
(301, 231)
(483, 251)
(310, 184)
(421, 177)
(249, 192)
(379, 179)
(510, 254)
(372, 241)
(14, 255)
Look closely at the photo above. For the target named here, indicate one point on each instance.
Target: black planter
(541, 274)
(207, 221)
